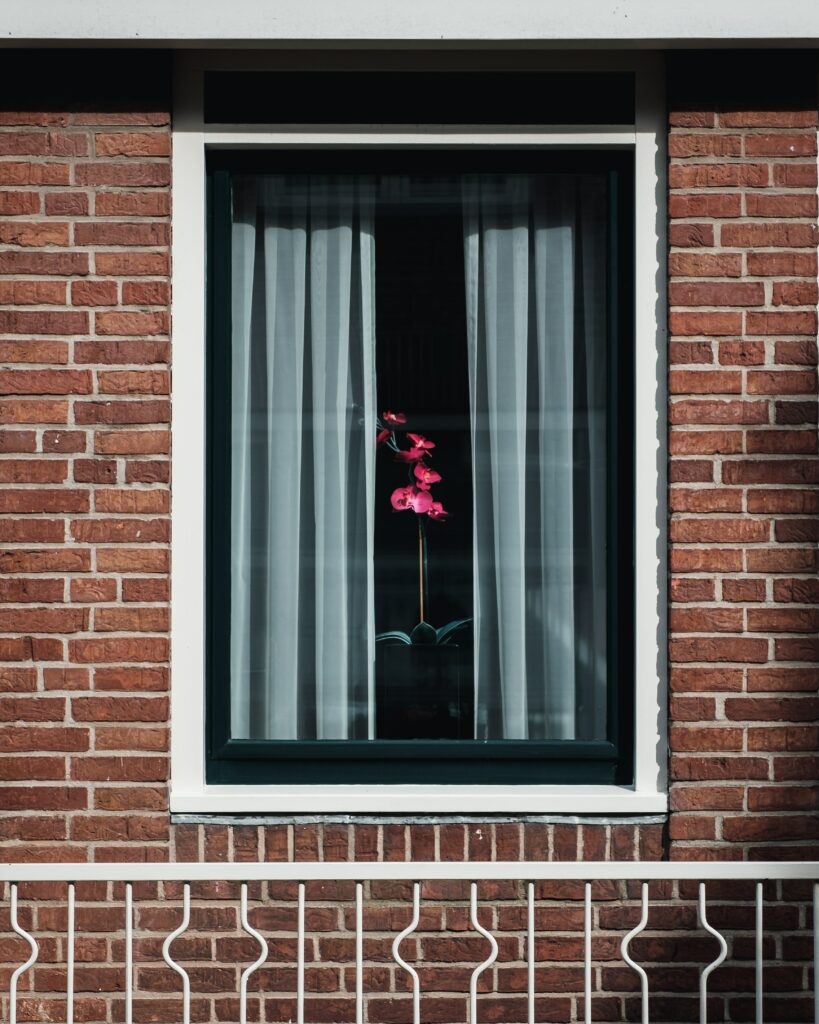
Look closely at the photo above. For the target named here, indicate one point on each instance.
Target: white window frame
(189, 792)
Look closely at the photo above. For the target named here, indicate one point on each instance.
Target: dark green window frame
(515, 762)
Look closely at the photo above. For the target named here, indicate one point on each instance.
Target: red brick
(130, 173)
(132, 144)
(781, 264)
(743, 590)
(695, 264)
(796, 352)
(767, 236)
(691, 235)
(93, 293)
(784, 471)
(741, 353)
(780, 144)
(66, 204)
(704, 205)
(704, 411)
(781, 442)
(718, 175)
(112, 649)
(795, 175)
(132, 204)
(32, 293)
(34, 233)
(715, 649)
(757, 204)
(781, 323)
(45, 382)
(109, 232)
(687, 144)
(65, 441)
(128, 442)
(131, 382)
(713, 294)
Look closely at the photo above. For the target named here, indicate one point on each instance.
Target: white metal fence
(414, 872)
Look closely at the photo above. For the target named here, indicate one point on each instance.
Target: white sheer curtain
(535, 258)
(303, 424)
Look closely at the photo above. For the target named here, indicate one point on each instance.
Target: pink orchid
(420, 442)
(382, 436)
(426, 476)
(437, 511)
(404, 498)
(393, 418)
(413, 455)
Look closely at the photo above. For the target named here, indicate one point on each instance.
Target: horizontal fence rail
(180, 877)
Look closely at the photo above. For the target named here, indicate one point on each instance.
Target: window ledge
(397, 799)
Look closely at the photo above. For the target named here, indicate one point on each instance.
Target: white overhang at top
(380, 23)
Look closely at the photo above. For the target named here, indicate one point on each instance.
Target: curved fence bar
(624, 945)
(166, 954)
(758, 954)
(416, 984)
(493, 954)
(246, 973)
(129, 953)
(300, 958)
(359, 953)
(587, 963)
(15, 926)
(60, 924)
(530, 951)
(69, 959)
(706, 971)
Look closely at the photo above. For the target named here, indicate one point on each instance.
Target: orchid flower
(405, 498)
(382, 436)
(393, 418)
(437, 511)
(413, 455)
(426, 476)
(420, 442)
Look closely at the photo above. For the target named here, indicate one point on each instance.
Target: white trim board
(189, 793)
(639, 23)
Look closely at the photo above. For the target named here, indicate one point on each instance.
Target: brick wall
(743, 463)
(84, 357)
(85, 410)
(84, 320)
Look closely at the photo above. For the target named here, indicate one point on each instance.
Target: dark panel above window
(418, 97)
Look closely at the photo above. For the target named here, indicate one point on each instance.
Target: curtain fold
(303, 422)
(534, 251)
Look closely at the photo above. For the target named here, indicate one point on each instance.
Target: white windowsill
(412, 799)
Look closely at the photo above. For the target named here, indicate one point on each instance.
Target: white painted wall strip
(69, 962)
(624, 946)
(723, 945)
(166, 954)
(416, 985)
(578, 871)
(493, 953)
(397, 22)
(15, 926)
(246, 973)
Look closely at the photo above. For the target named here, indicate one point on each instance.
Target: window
(419, 471)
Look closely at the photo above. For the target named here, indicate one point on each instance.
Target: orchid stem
(421, 568)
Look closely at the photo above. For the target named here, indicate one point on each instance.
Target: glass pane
(419, 456)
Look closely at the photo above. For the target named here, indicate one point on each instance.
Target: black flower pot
(419, 692)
